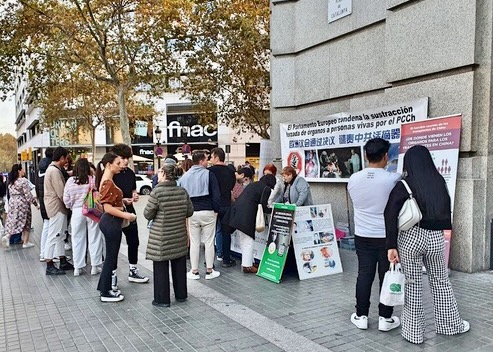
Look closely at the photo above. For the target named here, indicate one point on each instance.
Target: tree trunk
(93, 141)
(124, 122)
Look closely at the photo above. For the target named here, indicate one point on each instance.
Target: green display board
(276, 250)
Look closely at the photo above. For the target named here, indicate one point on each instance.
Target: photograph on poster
(303, 226)
(307, 255)
(311, 163)
(309, 268)
(326, 237)
(393, 158)
(339, 162)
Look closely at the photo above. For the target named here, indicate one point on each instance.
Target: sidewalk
(235, 312)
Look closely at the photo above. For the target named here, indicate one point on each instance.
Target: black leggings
(111, 226)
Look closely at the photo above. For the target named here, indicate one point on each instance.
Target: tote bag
(392, 293)
(410, 214)
(260, 218)
(91, 206)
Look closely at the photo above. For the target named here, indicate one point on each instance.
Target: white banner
(330, 149)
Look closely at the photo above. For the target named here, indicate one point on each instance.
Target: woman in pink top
(84, 230)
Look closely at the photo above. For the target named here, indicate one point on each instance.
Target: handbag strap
(407, 188)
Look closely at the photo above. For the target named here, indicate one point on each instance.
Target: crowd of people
(204, 198)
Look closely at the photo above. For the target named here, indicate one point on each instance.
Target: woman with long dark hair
(423, 244)
(84, 229)
(111, 198)
(19, 215)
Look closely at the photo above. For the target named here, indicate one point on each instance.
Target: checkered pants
(416, 247)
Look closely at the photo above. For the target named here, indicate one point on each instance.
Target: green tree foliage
(125, 44)
(8, 152)
(227, 67)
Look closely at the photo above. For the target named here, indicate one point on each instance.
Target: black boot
(51, 269)
(65, 265)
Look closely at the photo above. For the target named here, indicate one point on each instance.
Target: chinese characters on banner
(330, 149)
(442, 138)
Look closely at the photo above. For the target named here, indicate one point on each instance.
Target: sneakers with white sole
(27, 245)
(134, 276)
(112, 296)
(387, 324)
(212, 275)
(76, 271)
(193, 276)
(41, 258)
(96, 270)
(360, 322)
(5, 242)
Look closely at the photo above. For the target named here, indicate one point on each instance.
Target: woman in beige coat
(169, 207)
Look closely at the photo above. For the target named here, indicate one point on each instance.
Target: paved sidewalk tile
(234, 312)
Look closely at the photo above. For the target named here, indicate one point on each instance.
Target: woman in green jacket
(169, 207)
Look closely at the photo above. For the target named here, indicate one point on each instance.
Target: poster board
(279, 237)
(441, 136)
(330, 148)
(314, 242)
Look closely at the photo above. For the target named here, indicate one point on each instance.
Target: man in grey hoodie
(204, 192)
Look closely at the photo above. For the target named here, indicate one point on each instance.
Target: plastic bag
(392, 293)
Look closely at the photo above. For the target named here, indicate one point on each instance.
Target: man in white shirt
(369, 190)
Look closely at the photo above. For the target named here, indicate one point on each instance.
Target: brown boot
(249, 270)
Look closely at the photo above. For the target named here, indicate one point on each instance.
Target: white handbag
(410, 214)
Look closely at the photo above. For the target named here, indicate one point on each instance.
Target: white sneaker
(219, 259)
(212, 275)
(5, 242)
(193, 276)
(360, 322)
(467, 326)
(76, 272)
(27, 245)
(41, 258)
(387, 324)
(96, 270)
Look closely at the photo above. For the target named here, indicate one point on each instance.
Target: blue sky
(7, 116)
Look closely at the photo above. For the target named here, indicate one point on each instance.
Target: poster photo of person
(338, 162)
(393, 161)
(311, 164)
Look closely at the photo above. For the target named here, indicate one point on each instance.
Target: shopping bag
(392, 293)
(260, 219)
(91, 206)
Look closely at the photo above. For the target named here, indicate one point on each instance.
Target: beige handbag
(260, 218)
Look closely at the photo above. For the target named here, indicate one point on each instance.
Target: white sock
(132, 266)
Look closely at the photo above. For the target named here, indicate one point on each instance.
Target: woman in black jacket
(423, 244)
(243, 213)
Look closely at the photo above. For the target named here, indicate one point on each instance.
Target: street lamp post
(158, 144)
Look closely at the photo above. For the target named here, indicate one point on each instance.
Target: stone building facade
(390, 51)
